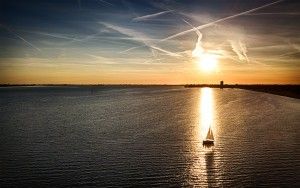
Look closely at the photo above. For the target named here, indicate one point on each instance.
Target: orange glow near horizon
(36, 71)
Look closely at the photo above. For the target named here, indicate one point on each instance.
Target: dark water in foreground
(55, 136)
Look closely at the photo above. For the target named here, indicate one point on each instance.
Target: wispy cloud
(244, 50)
(240, 49)
(135, 35)
(149, 16)
(139, 37)
(297, 47)
(151, 61)
(103, 60)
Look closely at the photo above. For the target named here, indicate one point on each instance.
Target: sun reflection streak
(206, 111)
(201, 171)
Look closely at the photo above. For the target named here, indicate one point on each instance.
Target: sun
(207, 62)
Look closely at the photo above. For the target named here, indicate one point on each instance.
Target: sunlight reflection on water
(206, 111)
(203, 167)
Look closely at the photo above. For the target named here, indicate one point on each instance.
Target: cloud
(240, 49)
(244, 50)
(139, 37)
(103, 60)
(198, 48)
(297, 47)
(152, 61)
(149, 16)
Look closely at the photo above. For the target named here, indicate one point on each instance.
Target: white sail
(210, 135)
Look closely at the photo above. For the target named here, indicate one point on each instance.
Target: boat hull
(208, 143)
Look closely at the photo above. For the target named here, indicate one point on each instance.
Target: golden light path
(201, 170)
(206, 111)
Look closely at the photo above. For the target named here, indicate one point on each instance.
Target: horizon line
(133, 84)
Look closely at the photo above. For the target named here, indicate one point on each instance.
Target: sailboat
(209, 141)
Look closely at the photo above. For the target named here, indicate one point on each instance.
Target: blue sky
(127, 41)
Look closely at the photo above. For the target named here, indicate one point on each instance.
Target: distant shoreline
(292, 91)
(288, 90)
(124, 85)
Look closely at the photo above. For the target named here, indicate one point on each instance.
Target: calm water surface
(112, 136)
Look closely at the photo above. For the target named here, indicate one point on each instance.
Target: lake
(147, 136)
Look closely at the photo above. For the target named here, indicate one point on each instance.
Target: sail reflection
(210, 169)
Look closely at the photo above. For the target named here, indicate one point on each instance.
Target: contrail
(129, 49)
(220, 20)
(198, 48)
(105, 2)
(165, 51)
(150, 15)
(14, 33)
(196, 30)
(54, 35)
(137, 36)
(212, 23)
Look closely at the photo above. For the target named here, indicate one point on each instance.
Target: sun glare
(208, 62)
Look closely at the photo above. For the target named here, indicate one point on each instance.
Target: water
(134, 136)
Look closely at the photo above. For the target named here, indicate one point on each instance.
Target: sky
(149, 42)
